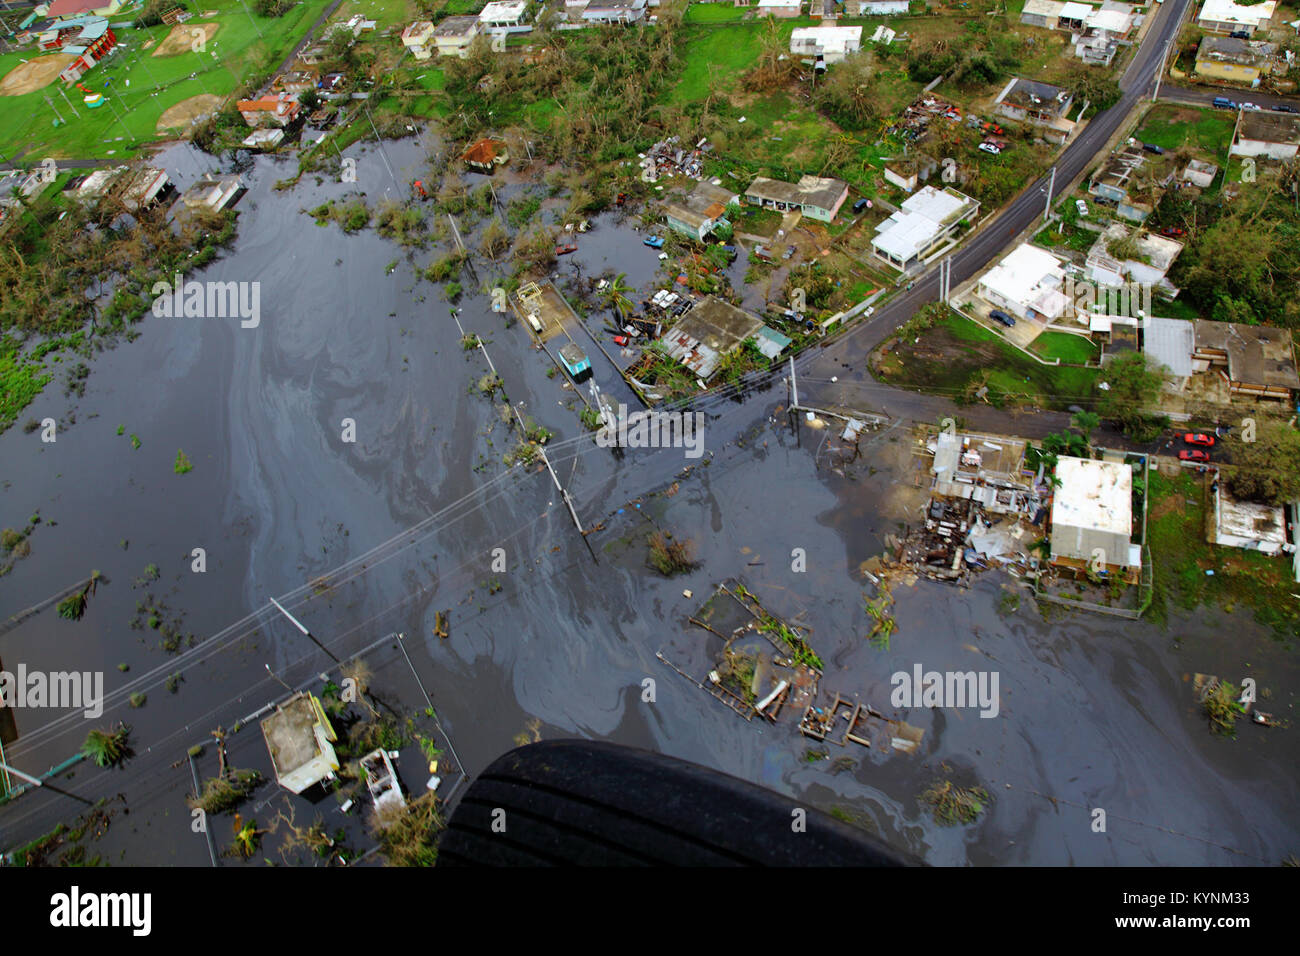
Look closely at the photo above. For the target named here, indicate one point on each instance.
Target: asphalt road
(1204, 96)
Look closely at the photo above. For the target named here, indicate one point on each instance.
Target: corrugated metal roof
(1171, 343)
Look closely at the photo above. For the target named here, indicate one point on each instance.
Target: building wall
(1257, 147)
(1231, 72)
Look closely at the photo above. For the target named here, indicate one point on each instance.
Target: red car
(1193, 454)
(620, 340)
(1173, 232)
(1198, 439)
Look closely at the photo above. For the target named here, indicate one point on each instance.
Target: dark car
(861, 204)
(1285, 108)
(1153, 148)
(1198, 438)
(1194, 454)
(1239, 35)
(1223, 103)
(997, 315)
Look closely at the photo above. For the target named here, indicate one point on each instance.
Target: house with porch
(817, 197)
(701, 211)
(1039, 104)
(1225, 17)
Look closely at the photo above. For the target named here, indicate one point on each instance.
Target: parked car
(1223, 103)
(992, 128)
(1153, 148)
(1194, 454)
(1198, 438)
(1239, 35)
(861, 204)
(1082, 206)
(1250, 106)
(1173, 232)
(654, 242)
(1285, 108)
(997, 315)
(990, 148)
(789, 251)
(621, 340)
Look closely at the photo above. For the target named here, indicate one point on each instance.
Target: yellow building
(1232, 60)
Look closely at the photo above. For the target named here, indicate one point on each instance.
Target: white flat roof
(918, 222)
(1097, 495)
(1170, 342)
(779, 3)
(503, 10)
(1115, 21)
(1043, 8)
(1075, 11)
(1023, 273)
(1225, 11)
(1245, 519)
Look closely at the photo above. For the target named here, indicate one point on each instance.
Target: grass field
(139, 87)
(957, 350)
(1171, 126)
(714, 13)
(1176, 534)
(1075, 349)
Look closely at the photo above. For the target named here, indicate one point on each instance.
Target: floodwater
(361, 539)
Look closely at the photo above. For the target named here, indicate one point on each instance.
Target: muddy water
(365, 538)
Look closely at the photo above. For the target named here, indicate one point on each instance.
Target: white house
(923, 222)
(1224, 16)
(875, 8)
(614, 11)
(1244, 524)
(832, 44)
(505, 16)
(1092, 515)
(779, 8)
(300, 740)
(1271, 135)
(1155, 256)
(1027, 283)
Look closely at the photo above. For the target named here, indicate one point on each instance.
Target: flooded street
(363, 538)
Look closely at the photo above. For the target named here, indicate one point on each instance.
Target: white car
(1249, 106)
(1082, 206)
(990, 148)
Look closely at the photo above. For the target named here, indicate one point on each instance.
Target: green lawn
(957, 350)
(1171, 126)
(1074, 349)
(714, 13)
(139, 87)
(1176, 534)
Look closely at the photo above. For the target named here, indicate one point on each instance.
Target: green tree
(1085, 423)
(1134, 386)
(1265, 470)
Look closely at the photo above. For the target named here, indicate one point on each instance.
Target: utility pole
(1161, 72)
(523, 430)
(1051, 185)
(310, 635)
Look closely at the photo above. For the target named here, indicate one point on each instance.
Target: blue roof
(93, 31)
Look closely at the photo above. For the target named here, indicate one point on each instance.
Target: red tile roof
(68, 8)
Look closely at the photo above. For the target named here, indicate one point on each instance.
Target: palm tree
(1085, 423)
(616, 296)
(107, 747)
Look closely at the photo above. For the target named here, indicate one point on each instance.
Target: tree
(616, 296)
(1085, 423)
(1265, 470)
(1134, 387)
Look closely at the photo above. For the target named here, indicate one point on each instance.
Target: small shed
(575, 362)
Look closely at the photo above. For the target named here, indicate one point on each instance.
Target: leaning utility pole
(1161, 72)
(1047, 205)
(298, 624)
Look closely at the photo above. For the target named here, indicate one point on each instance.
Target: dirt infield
(34, 74)
(185, 112)
(182, 37)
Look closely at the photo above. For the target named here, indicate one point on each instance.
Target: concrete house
(614, 11)
(906, 173)
(212, 192)
(1271, 135)
(1092, 517)
(1224, 16)
(711, 330)
(1247, 525)
(1027, 283)
(418, 38)
(1112, 182)
(453, 35)
(832, 44)
(505, 16)
(1042, 13)
(779, 8)
(1233, 60)
(817, 197)
(701, 211)
(1039, 104)
(1199, 174)
(875, 8)
(923, 223)
(300, 740)
(486, 155)
(278, 110)
(1256, 360)
(1155, 256)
